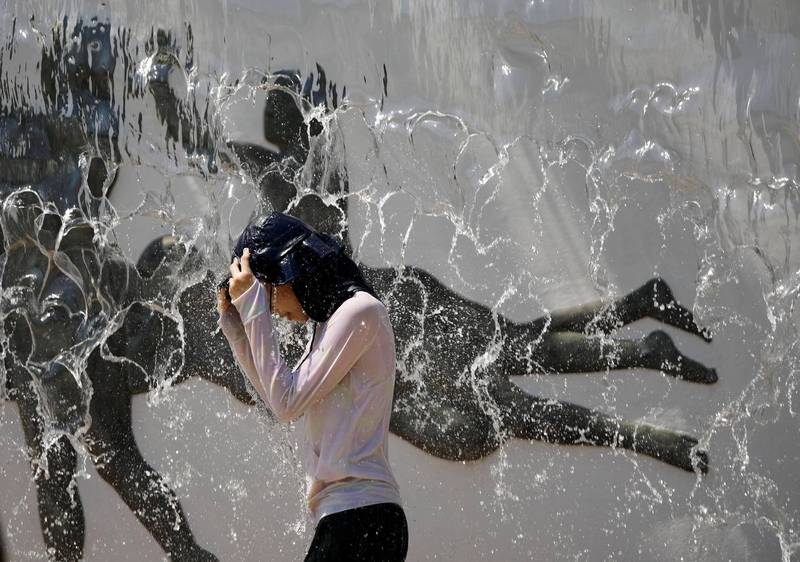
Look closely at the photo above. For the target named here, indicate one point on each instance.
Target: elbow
(283, 413)
(285, 402)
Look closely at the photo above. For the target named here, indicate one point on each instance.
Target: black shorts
(373, 533)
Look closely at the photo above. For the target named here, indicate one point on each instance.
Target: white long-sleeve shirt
(343, 387)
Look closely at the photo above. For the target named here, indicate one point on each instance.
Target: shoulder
(361, 307)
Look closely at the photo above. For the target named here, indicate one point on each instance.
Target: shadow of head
(290, 100)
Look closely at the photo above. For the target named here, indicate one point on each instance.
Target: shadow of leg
(119, 462)
(654, 299)
(571, 352)
(60, 508)
(531, 417)
(660, 353)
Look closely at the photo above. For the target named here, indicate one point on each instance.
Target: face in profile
(284, 303)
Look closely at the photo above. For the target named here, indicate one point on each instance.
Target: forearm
(245, 359)
(289, 393)
(274, 378)
(232, 329)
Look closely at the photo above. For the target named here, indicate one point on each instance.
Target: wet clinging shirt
(342, 388)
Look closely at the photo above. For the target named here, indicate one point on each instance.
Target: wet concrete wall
(525, 157)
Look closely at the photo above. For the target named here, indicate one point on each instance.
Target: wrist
(240, 287)
(252, 303)
(231, 325)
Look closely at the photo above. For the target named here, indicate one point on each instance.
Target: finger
(246, 261)
(234, 267)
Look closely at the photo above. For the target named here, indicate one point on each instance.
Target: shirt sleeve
(347, 335)
(231, 325)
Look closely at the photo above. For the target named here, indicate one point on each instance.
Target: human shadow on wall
(439, 409)
(126, 333)
(72, 305)
(442, 403)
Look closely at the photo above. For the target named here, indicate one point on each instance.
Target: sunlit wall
(525, 157)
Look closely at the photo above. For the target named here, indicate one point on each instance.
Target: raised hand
(241, 275)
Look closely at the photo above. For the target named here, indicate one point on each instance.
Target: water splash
(537, 156)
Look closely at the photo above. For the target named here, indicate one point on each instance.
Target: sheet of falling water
(492, 166)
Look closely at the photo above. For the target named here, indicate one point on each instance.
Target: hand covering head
(284, 249)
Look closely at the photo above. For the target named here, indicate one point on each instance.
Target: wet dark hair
(323, 290)
(284, 250)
